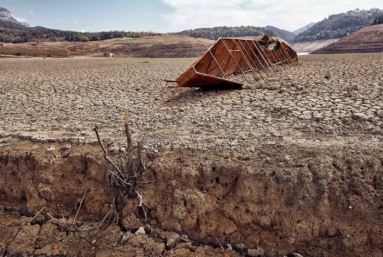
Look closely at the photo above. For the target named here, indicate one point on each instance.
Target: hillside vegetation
(339, 25)
(15, 33)
(217, 32)
(378, 20)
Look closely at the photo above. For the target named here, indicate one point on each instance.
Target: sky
(176, 15)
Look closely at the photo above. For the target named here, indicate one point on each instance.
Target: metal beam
(217, 64)
(260, 52)
(234, 56)
(244, 53)
(223, 40)
(256, 56)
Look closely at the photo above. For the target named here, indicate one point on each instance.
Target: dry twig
(37, 214)
(126, 180)
(78, 209)
(108, 159)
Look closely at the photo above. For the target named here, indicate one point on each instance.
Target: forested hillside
(378, 20)
(14, 33)
(339, 25)
(217, 32)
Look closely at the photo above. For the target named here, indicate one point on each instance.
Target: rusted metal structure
(235, 61)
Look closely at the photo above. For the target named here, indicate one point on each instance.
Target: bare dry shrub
(125, 178)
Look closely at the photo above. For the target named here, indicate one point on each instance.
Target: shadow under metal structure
(235, 61)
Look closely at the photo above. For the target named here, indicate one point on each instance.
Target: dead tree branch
(127, 178)
(37, 214)
(79, 207)
(129, 146)
(109, 160)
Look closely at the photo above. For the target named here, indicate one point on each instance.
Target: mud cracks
(273, 202)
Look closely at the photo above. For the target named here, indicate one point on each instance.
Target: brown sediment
(277, 200)
(311, 46)
(144, 47)
(32, 51)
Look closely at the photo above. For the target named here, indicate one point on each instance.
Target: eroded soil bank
(274, 201)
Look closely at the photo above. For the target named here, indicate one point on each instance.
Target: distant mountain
(217, 32)
(15, 33)
(12, 31)
(339, 25)
(6, 16)
(303, 29)
(284, 34)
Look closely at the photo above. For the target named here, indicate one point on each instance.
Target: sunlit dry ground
(333, 99)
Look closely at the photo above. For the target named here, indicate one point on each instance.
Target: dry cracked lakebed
(291, 167)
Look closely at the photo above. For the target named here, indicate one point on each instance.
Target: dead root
(125, 178)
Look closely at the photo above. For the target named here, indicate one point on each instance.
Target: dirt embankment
(366, 40)
(311, 46)
(148, 47)
(32, 51)
(271, 202)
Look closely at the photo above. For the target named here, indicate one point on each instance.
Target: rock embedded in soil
(140, 231)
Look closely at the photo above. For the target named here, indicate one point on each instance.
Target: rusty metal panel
(232, 57)
(192, 78)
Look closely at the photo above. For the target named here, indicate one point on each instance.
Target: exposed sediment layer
(311, 46)
(274, 201)
(365, 40)
(145, 47)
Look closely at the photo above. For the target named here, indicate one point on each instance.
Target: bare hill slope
(366, 40)
(150, 46)
(311, 46)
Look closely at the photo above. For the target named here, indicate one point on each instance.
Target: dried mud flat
(290, 167)
(326, 99)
